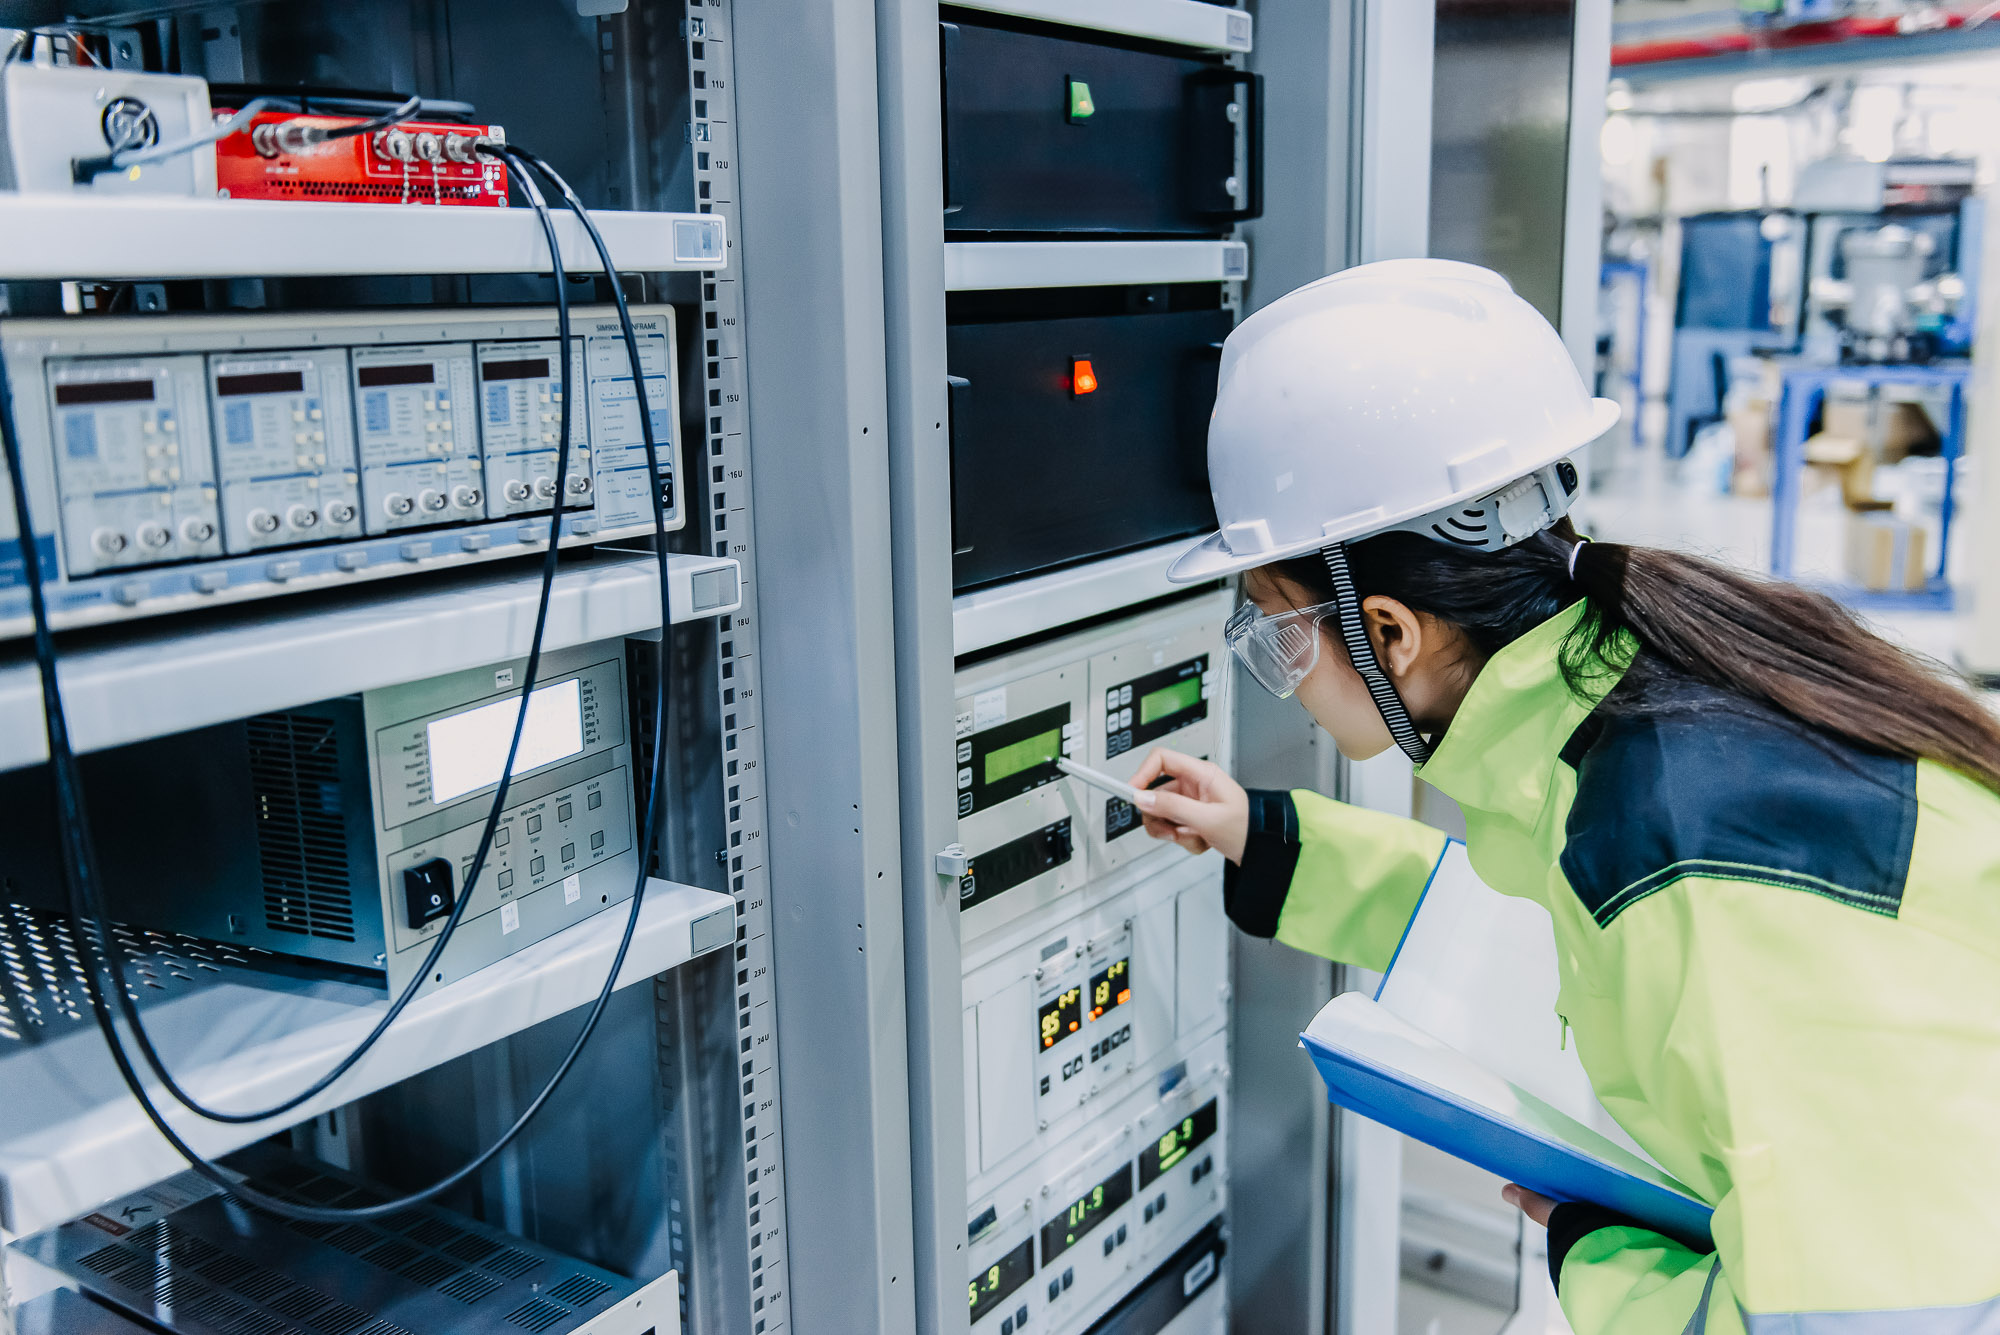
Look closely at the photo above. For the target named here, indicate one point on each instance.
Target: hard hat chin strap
(1361, 653)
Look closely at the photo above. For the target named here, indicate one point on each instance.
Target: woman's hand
(1536, 1207)
(1199, 808)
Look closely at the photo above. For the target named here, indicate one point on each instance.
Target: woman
(1769, 841)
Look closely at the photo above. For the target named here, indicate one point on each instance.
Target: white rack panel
(1182, 22)
(978, 265)
(61, 236)
(138, 686)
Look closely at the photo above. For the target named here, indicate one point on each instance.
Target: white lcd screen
(467, 751)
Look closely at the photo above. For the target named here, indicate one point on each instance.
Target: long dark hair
(1705, 635)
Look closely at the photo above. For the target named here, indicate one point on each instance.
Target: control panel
(1095, 976)
(565, 846)
(1065, 1019)
(1019, 818)
(1106, 697)
(520, 425)
(416, 430)
(130, 494)
(179, 461)
(1157, 688)
(284, 449)
(1052, 1246)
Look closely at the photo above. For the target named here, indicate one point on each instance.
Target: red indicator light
(1082, 379)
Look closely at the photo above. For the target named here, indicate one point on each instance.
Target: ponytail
(1705, 635)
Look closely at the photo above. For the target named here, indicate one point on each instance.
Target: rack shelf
(232, 663)
(987, 617)
(971, 266)
(1182, 22)
(71, 1137)
(63, 236)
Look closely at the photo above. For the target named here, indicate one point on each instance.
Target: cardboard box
(1884, 552)
(1905, 430)
(1847, 461)
(1750, 423)
(1849, 419)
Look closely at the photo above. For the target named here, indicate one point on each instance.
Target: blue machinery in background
(1724, 307)
(1722, 310)
(1804, 388)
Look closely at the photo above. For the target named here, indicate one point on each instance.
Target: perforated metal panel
(213, 1266)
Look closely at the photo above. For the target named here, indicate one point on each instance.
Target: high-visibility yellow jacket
(1780, 961)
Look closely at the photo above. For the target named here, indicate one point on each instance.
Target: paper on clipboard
(1476, 973)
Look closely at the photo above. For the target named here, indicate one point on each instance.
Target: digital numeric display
(1177, 1143)
(995, 1284)
(1060, 1016)
(1110, 988)
(1085, 1213)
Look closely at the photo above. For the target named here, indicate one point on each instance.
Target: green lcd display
(995, 1284)
(1156, 705)
(1176, 1143)
(1041, 749)
(1085, 1213)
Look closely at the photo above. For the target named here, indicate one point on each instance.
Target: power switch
(427, 891)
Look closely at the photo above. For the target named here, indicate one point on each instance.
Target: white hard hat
(1380, 396)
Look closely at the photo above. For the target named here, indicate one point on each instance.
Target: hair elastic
(1572, 557)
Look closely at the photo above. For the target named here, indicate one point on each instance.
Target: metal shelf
(59, 236)
(229, 664)
(986, 617)
(72, 1137)
(978, 265)
(1183, 22)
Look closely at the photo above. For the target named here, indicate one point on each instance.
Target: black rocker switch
(427, 891)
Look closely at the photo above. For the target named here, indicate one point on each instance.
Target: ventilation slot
(579, 1291)
(301, 833)
(427, 1270)
(536, 1315)
(337, 1319)
(509, 1262)
(469, 1288)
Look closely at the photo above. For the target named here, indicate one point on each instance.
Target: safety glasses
(1279, 651)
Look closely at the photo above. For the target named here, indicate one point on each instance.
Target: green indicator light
(1081, 108)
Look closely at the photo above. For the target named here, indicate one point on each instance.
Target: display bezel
(1003, 735)
(1115, 979)
(1006, 1276)
(1188, 1132)
(1067, 1003)
(1117, 740)
(1086, 1212)
(1016, 862)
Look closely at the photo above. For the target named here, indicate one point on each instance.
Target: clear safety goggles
(1280, 651)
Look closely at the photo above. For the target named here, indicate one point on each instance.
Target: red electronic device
(413, 162)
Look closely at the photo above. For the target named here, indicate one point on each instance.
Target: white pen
(1098, 779)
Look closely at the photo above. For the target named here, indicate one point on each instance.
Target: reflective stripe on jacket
(1780, 962)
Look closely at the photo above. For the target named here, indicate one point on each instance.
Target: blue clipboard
(1519, 1153)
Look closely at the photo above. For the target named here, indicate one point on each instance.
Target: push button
(1081, 106)
(536, 865)
(506, 881)
(569, 852)
(594, 801)
(427, 891)
(564, 811)
(1055, 1289)
(501, 837)
(596, 840)
(1006, 1325)
(1021, 1317)
(534, 825)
